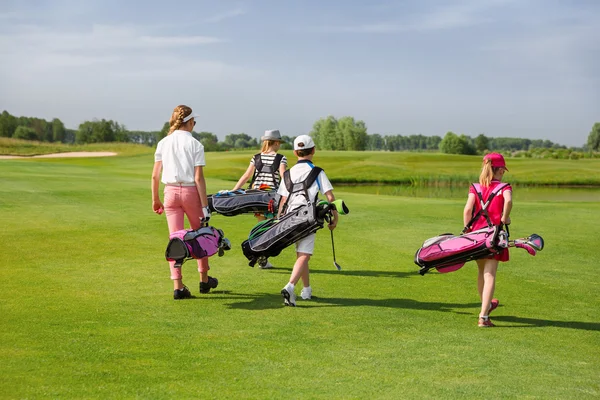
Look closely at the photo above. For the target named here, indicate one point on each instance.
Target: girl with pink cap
(492, 172)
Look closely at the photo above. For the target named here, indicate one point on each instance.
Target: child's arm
(282, 201)
(249, 172)
(331, 199)
(468, 211)
(282, 168)
(507, 207)
(156, 203)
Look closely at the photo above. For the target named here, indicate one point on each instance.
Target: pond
(523, 193)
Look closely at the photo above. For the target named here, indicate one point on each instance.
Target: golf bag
(187, 244)
(448, 252)
(268, 238)
(244, 201)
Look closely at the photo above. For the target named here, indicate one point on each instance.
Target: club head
(530, 249)
(339, 268)
(536, 241)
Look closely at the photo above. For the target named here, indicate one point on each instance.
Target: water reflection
(525, 193)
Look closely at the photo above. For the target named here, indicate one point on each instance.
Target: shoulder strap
(257, 168)
(276, 162)
(484, 203)
(294, 188)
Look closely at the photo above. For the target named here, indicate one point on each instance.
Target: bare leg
(489, 284)
(300, 268)
(203, 269)
(305, 276)
(480, 267)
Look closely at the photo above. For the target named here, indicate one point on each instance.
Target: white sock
(290, 287)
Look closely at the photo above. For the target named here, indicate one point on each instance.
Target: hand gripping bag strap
(484, 203)
(260, 167)
(295, 188)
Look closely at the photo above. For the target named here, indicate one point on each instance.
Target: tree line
(329, 133)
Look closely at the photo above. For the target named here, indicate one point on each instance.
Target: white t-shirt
(298, 173)
(180, 153)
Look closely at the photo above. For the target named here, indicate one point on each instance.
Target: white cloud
(458, 15)
(99, 37)
(225, 15)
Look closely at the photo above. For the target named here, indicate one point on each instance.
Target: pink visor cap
(497, 160)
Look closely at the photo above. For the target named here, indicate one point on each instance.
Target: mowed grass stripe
(87, 312)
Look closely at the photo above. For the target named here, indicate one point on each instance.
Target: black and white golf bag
(268, 238)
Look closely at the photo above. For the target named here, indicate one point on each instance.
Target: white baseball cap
(303, 142)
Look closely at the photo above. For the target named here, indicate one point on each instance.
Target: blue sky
(519, 68)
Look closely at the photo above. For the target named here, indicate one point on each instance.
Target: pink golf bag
(448, 252)
(187, 244)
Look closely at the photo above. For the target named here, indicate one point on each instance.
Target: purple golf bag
(187, 244)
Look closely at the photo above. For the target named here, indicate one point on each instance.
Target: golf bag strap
(260, 167)
(484, 203)
(294, 188)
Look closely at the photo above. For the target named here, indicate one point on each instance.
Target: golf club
(333, 249)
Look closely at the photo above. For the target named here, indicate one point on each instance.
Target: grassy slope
(423, 168)
(374, 167)
(86, 305)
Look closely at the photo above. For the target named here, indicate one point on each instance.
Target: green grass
(17, 147)
(86, 308)
(423, 169)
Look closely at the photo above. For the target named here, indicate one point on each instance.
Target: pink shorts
(183, 201)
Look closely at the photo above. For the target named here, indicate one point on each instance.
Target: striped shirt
(266, 178)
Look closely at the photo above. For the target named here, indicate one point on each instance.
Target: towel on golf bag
(448, 252)
(187, 244)
(244, 201)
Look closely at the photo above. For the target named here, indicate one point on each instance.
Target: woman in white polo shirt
(181, 158)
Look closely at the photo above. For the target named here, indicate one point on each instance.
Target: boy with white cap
(304, 149)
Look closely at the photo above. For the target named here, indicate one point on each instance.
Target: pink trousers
(180, 201)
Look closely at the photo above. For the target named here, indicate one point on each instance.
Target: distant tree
(375, 142)
(351, 134)
(8, 124)
(84, 133)
(58, 130)
(593, 142)
(481, 143)
(209, 140)
(433, 142)
(288, 143)
(454, 144)
(324, 133)
(26, 133)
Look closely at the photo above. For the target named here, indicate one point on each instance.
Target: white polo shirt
(180, 153)
(298, 173)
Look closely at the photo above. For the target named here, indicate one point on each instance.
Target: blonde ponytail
(487, 173)
(266, 145)
(179, 113)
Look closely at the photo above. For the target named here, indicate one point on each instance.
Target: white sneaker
(268, 265)
(306, 293)
(289, 297)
